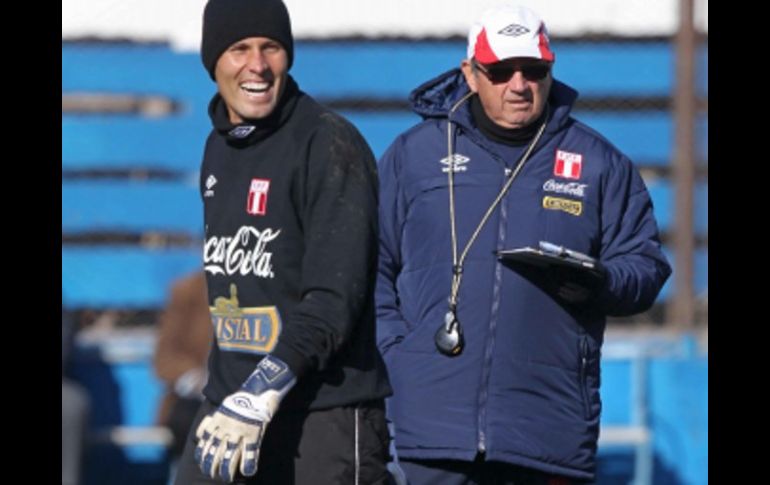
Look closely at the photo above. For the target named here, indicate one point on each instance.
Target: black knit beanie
(228, 21)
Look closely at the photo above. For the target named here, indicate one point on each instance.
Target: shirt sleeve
(340, 222)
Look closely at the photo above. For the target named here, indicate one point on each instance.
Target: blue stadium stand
(636, 433)
(700, 276)
(133, 142)
(116, 368)
(125, 446)
(131, 206)
(630, 132)
(176, 142)
(645, 137)
(662, 194)
(123, 277)
(371, 69)
(646, 380)
(637, 394)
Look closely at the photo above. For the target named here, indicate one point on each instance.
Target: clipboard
(551, 256)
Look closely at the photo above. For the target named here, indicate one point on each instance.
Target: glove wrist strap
(271, 374)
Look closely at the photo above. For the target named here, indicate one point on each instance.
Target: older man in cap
(508, 232)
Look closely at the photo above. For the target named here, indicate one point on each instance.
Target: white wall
(178, 21)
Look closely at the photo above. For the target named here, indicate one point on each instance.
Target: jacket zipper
(583, 375)
(486, 369)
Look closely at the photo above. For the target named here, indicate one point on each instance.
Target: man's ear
(470, 76)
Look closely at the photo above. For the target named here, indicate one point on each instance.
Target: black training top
(290, 253)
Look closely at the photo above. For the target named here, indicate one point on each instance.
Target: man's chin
(515, 124)
(520, 120)
(258, 112)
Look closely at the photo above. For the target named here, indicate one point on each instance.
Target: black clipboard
(554, 257)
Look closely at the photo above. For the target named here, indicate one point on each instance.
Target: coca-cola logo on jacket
(244, 253)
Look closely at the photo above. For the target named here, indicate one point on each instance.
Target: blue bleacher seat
(124, 68)
(176, 142)
(380, 129)
(700, 277)
(373, 69)
(133, 142)
(131, 206)
(123, 276)
(382, 70)
(662, 194)
(126, 447)
(645, 137)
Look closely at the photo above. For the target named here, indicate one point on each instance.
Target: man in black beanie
(290, 210)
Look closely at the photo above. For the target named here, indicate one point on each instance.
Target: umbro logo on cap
(506, 32)
(514, 30)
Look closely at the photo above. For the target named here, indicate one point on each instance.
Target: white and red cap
(509, 31)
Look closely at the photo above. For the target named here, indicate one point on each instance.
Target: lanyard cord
(457, 264)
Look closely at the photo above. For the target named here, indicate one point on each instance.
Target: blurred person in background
(495, 367)
(184, 339)
(296, 386)
(75, 407)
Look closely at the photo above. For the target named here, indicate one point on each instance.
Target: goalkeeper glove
(230, 437)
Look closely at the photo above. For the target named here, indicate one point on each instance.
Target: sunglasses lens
(534, 73)
(501, 74)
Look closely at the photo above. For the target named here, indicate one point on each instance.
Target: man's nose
(517, 82)
(256, 62)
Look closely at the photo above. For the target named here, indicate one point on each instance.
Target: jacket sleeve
(630, 245)
(339, 218)
(391, 325)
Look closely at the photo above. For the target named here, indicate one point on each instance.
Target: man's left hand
(575, 287)
(232, 434)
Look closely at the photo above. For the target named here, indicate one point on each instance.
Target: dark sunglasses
(501, 73)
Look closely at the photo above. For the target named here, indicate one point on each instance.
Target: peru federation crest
(256, 203)
(568, 165)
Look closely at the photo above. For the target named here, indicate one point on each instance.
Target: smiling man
(495, 365)
(296, 385)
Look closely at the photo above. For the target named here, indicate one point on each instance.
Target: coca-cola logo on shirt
(244, 253)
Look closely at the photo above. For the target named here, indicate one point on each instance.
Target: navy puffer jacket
(525, 390)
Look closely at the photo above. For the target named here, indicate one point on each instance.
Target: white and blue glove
(232, 434)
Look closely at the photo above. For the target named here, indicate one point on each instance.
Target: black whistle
(449, 337)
